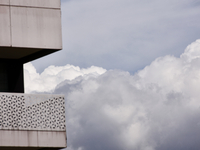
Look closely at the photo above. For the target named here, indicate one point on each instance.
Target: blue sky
(130, 73)
(125, 35)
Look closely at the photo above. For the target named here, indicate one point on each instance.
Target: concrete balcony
(29, 29)
(29, 121)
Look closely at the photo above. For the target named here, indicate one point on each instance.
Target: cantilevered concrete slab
(36, 3)
(29, 29)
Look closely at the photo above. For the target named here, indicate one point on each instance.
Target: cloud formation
(123, 34)
(53, 75)
(157, 108)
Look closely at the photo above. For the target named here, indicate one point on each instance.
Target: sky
(123, 34)
(130, 73)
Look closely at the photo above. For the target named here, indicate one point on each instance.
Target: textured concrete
(37, 28)
(32, 120)
(29, 29)
(32, 3)
(32, 139)
(36, 3)
(5, 39)
(4, 2)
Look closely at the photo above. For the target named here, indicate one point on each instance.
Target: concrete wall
(29, 29)
(32, 139)
(5, 32)
(30, 24)
(32, 120)
(36, 3)
(4, 2)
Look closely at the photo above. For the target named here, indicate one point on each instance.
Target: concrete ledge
(29, 29)
(32, 3)
(32, 139)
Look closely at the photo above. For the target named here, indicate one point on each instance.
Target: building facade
(29, 29)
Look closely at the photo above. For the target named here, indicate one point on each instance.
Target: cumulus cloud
(157, 108)
(53, 75)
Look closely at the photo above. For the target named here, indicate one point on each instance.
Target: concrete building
(29, 29)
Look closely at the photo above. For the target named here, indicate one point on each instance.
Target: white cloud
(53, 75)
(157, 108)
(192, 52)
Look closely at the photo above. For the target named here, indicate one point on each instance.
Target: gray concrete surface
(32, 139)
(28, 27)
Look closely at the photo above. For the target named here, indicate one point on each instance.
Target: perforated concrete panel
(32, 112)
(32, 120)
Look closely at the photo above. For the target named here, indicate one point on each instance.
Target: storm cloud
(157, 108)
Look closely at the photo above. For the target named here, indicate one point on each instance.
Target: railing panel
(32, 112)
